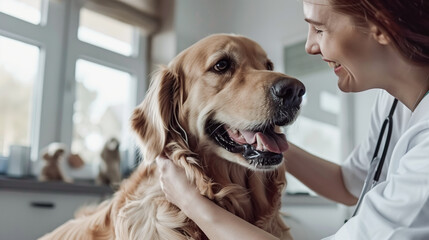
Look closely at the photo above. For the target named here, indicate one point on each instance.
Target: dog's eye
(270, 66)
(222, 66)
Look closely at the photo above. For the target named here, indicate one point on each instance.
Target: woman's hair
(405, 21)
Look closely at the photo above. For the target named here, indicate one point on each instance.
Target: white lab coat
(397, 208)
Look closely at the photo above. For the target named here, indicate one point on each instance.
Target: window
(106, 32)
(16, 92)
(104, 88)
(101, 109)
(71, 76)
(27, 10)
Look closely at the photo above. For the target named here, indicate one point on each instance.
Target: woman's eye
(222, 65)
(318, 31)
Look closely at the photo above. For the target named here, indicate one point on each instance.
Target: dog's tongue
(273, 142)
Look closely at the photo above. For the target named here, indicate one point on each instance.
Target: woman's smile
(336, 66)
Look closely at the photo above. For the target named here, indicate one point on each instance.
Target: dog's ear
(157, 124)
(155, 120)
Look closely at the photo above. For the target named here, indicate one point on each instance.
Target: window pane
(101, 110)
(105, 32)
(27, 10)
(16, 91)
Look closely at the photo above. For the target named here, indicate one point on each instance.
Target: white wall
(164, 42)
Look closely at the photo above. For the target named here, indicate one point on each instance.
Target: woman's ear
(152, 119)
(379, 34)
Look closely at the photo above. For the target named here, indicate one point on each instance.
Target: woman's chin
(344, 86)
(347, 88)
(347, 84)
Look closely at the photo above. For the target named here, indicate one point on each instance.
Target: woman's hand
(176, 187)
(216, 222)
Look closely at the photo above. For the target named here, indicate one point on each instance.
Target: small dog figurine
(110, 173)
(53, 155)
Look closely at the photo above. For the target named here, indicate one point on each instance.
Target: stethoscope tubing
(377, 163)
(387, 122)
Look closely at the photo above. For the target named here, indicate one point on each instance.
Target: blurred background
(72, 71)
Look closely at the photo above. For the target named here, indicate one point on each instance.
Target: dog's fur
(172, 120)
(110, 172)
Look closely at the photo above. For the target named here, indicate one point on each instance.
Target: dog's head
(220, 96)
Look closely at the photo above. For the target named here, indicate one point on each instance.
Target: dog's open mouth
(262, 148)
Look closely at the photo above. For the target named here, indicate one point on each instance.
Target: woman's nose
(311, 46)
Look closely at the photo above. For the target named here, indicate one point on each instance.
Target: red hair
(405, 21)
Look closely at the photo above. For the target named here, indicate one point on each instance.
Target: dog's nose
(288, 91)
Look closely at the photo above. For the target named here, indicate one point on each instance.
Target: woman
(370, 44)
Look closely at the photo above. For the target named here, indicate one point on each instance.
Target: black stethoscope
(377, 163)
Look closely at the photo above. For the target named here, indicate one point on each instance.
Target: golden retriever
(213, 111)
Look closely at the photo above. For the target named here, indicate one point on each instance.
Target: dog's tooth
(265, 148)
(259, 144)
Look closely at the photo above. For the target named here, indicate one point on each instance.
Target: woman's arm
(321, 176)
(216, 222)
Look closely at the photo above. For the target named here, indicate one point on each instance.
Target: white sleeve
(397, 208)
(355, 167)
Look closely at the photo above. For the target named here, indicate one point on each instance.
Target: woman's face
(351, 51)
